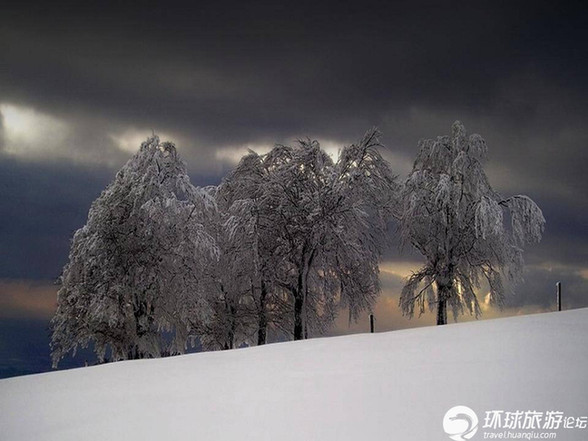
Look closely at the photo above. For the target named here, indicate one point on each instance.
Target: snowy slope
(386, 386)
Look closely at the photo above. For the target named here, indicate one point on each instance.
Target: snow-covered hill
(386, 386)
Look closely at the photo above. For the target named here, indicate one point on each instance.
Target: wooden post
(372, 323)
(558, 285)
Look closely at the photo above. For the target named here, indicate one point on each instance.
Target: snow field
(384, 386)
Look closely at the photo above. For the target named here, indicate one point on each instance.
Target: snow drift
(387, 386)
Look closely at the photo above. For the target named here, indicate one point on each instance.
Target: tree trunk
(232, 326)
(133, 353)
(298, 307)
(301, 292)
(443, 294)
(262, 324)
(299, 295)
(230, 311)
(442, 311)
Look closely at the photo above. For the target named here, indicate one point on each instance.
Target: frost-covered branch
(453, 217)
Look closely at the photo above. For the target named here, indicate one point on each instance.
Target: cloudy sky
(81, 86)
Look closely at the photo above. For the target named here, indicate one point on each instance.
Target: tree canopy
(318, 226)
(451, 215)
(135, 268)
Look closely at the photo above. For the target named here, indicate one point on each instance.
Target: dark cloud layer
(42, 205)
(229, 72)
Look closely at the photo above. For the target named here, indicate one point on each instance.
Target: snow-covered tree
(248, 224)
(320, 226)
(229, 280)
(134, 270)
(453, 217)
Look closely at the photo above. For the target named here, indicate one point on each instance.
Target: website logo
(460, 423)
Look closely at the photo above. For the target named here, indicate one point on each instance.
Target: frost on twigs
(135, 268)
(453, 217)
(312, 229)
(526, 219)
(279, 246)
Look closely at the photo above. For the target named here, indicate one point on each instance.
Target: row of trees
(281, 245)
(284, 241)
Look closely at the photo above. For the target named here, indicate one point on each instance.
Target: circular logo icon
(460, 423)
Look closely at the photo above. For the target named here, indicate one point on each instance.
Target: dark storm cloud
(228, 72)
(226, 75)
(565, 239)
(42, 205)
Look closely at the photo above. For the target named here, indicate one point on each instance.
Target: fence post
(371, 323)
(558, 285)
